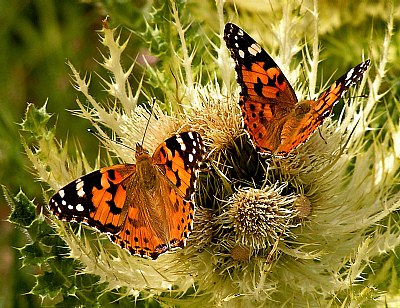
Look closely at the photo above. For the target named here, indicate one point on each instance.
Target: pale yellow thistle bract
(304, 237)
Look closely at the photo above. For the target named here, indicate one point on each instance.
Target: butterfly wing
(309, 115)
(96, 199)
(266, 96)
(161, 215)
(178, 159)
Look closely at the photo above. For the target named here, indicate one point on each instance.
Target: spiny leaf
(49, 284)
(32, 254)
(22, 209)
(35, 121)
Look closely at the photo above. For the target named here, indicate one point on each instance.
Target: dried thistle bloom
(248, 246)
(302, 206)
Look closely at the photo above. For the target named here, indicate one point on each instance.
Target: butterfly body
(146, 208)
(146, 171)
(273, 117)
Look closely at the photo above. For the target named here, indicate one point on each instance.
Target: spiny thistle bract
(268, 230)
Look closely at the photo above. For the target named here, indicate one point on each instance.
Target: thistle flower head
(260, 216)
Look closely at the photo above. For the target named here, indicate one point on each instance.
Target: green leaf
(35, 122)
(32, 254)
(39, 230)
(61, 280)
(49, 284)
(22, 209)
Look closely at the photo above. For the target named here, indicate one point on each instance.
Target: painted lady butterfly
(146, 208)
(273, 117)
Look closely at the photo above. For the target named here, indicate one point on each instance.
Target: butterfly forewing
(330, 97)
(266, 96)
(179, 159)
(96, 199)
(146, 208)
(259, 76)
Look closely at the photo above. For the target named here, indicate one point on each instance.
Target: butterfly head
(140, 150)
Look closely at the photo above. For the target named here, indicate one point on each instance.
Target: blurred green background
(38, 37)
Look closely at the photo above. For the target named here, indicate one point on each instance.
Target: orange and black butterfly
(273, 117)
(146, 208)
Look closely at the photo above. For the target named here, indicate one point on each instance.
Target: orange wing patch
(274, 119)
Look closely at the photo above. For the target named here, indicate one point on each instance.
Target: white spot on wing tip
(350, 74)
(80, 193)
(79, 184)
(79, 207)
(61, 193)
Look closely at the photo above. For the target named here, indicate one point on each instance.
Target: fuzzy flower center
(260, 216)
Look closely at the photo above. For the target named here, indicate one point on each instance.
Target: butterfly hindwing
(145, 231)
(165, 225)
(165, 220)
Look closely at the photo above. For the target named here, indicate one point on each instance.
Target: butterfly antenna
(148, 122)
